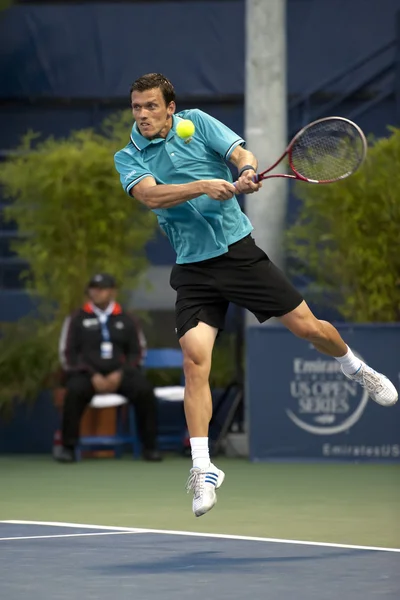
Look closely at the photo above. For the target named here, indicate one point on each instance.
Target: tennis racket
(324, 151)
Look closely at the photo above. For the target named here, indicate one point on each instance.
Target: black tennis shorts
(244, 276)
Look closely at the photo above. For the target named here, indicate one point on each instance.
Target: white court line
(207, 535)
(76, 526)
(65, 535)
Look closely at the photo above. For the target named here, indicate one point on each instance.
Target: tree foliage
(74, 220)
(346, 236)
(72, 215)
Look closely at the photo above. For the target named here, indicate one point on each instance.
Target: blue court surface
(52, 561)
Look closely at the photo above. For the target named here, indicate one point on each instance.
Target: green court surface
(341, 503)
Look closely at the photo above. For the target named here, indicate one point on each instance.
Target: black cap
(102, 280)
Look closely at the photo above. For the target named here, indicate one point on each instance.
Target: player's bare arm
(154, 196)
(242, 158)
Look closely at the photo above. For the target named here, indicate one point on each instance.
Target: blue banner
(301, 406)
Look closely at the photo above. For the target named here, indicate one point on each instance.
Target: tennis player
(189, 187)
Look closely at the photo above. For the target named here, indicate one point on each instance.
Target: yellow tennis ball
(185, 128)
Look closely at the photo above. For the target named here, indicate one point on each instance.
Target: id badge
(106, 350)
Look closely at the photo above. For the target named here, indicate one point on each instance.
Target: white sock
(200, 452)
(349, 362)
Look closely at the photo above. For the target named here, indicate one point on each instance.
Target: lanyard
(103, 315)
(105, 332)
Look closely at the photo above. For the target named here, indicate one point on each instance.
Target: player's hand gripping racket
(323, 152)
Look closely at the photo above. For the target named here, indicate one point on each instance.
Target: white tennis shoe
(378, 386)
(203, 483)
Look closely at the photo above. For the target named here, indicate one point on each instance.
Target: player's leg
(200, 313)
(326, 339)
(254, 282)
(197, 346)
(324, 336)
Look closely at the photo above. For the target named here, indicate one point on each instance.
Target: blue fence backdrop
(300, 405)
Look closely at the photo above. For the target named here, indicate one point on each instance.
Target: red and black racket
(324, 151)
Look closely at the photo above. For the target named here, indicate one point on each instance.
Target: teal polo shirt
(198, 229)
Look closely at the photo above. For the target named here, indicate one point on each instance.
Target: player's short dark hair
(154, 80)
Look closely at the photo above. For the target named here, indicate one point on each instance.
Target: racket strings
(327, 150)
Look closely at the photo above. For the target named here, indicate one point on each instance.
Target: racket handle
(256, 179)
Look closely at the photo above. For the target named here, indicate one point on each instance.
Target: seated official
(101, 351)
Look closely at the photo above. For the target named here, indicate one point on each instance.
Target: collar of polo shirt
(140, 142)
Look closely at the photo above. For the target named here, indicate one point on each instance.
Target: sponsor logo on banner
(361, 450)
(323, 400)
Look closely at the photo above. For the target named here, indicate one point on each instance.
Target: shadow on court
(213, 562)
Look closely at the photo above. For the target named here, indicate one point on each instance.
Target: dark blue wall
(91, 52)
(96, 50)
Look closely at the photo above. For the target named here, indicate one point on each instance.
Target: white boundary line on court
(114, 530)
(65, 535)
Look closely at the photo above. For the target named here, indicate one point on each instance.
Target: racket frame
(263, 175)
